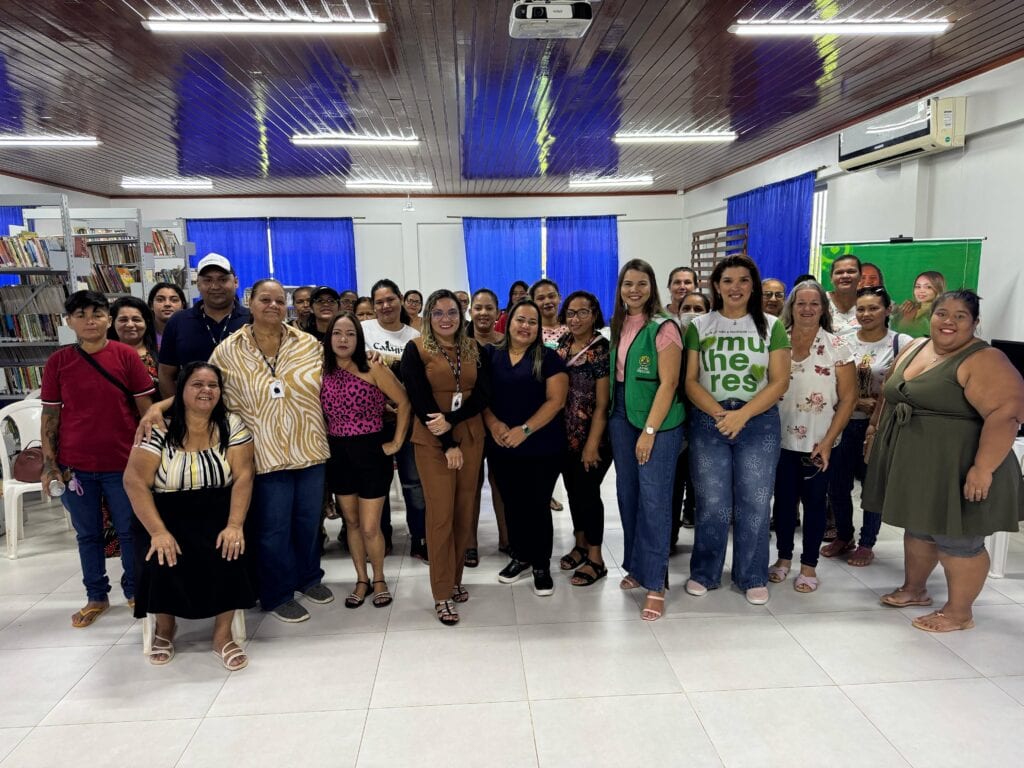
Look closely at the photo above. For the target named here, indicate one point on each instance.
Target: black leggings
(584, 490)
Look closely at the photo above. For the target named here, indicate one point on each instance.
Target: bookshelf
(165, 242)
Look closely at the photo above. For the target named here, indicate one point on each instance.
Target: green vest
(640, 379)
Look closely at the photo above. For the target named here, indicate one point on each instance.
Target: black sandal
(460, 594)
(355, 600)
(446, 613)
(472, 559)
(569, 563)
(586, 579)
(383, 598)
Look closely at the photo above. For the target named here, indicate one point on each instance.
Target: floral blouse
(809, 404)
(584, 371)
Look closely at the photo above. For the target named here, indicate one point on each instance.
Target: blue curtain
(501, 251)
(779, 216)
(242, 241)
(9, 214)
(583, 255)
(314, 252)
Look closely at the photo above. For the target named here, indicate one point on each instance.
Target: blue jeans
(286, 523)
(87, 518)
(733, 480)
(847, 465)
(796, 481)
(645, 496)
(412, 492)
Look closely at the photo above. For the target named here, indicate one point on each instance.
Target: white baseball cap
(213, 260)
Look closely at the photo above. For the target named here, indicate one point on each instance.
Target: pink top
(352, 406)
(631, 327)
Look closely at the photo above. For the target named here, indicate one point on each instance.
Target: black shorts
(359, 466)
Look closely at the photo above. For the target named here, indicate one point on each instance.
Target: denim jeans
(847, 464)
(645, 496)
(412, 492)
(285, 514)
(796, 481)
(87, 518)
(733, 479)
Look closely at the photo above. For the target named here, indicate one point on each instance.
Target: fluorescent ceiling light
(53, 140)
(387, 184)
(681, 137)
(150, 182)
(263, 27)
(601, 182)
(353, 140)
(851, 27)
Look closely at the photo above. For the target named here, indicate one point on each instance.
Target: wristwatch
(649, 429)
(526, 429)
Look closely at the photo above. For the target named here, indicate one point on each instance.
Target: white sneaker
(695, 588)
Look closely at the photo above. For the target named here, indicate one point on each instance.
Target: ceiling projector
(549, 19)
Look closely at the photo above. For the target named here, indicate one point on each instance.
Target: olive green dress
(926, 442)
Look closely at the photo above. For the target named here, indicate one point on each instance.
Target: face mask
(686, 318)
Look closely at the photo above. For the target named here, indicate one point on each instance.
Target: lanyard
(223, 331)
(271, 366)
(456, 366)
(580, 354)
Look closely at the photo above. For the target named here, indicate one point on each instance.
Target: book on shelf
(106, 278)
(177, 276)
(29, 313)
(164, 241)
(28, 250)
(20, 380)
(114, 253)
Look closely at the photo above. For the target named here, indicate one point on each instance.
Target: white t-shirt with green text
(733, 357)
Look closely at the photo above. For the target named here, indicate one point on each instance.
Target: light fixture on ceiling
(263, 27)
(678, 137)
(408, 207)
(329, 139)
(170, 182)
(387, 184)
(47, 140)
(603, 182)
(803, 28)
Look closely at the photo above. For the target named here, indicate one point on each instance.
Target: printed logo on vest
(644, 364)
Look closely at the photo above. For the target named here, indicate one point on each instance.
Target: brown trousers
(450, 495)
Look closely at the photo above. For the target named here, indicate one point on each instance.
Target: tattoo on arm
(49, 429)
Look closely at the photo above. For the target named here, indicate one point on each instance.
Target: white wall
(12, 186)
(960, 193)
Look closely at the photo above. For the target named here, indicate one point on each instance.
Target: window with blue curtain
(242, 241)
(583, 255)
(779, 216)
(9, 214)
(314, 252)
(501, 251)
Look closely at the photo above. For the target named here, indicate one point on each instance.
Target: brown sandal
(86, 616)
(837, 547)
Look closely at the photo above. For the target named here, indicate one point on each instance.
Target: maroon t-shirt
(97, 422)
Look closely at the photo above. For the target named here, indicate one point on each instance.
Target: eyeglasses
(775, 294)
(325, 301)
(582, 314)
(451, 314)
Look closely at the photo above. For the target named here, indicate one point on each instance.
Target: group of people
(708, 406)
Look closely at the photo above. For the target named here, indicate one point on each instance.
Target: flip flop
(809, 584)
(890, 600)
(86, 616)
(953, 626)
(837, 548)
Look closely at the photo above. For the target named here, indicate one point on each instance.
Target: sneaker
(513, 572)
(757, 595)
(290, 612)
(688, 521)
(319, 593)
(418, 549)
(542, 583)
(695, 588)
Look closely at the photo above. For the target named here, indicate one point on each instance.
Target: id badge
(456, 401)
(276, 389)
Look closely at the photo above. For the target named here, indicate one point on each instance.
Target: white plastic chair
(26, 416)
(148, 625)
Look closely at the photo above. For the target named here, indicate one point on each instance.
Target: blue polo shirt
(191, 335)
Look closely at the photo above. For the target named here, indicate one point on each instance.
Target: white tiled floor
(831, 678)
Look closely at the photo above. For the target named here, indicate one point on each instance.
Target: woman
(447, 377)
(164, 300)
(737, 370)
(325, 302)
(914, 315)
(133, 324)
(874, 348)
(589, 454)
(814, 411)
(544, 294)
(518, 291)
(646, 428)
(190, 485)
(413, 303)
(364, 309)
(354, 396)
(942, 465)
(483, 311)
(272, 375)
(526, 441)
(302, 301)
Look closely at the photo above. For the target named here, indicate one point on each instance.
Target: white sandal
(228, 656)
(165, 649)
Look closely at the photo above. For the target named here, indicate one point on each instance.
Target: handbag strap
(104, 373)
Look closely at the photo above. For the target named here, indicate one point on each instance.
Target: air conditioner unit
(549, 19)
(927, 126)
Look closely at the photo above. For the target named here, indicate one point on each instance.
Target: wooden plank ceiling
(495, 115)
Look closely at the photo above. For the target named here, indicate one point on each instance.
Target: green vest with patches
(640, 378)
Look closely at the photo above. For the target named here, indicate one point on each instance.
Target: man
(681, 281)
(773, 296)
(463, 298)
(193, 333)
(842, 299)
(302, 301)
